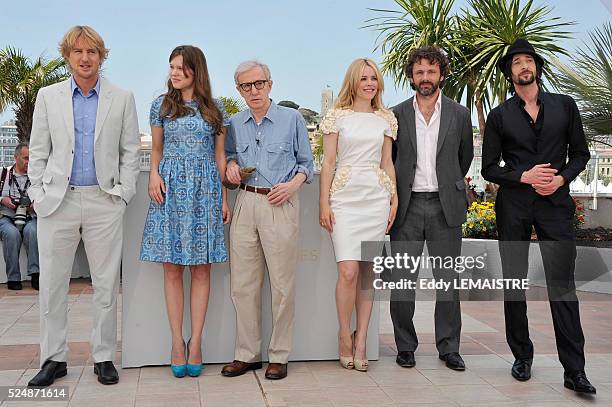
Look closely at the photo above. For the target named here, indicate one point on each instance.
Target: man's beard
(520, 81)
(428, 92)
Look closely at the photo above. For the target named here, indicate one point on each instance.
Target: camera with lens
(21, 212)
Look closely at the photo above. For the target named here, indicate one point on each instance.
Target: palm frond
(417, 23)
(589, 81)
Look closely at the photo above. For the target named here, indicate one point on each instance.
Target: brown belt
(257, 190)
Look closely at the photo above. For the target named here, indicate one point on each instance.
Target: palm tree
(589, 81)
(20, 80)
(490, 27)
(474, 40)
(418, 23)
(232, 105)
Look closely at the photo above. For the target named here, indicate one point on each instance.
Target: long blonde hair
(346, 97)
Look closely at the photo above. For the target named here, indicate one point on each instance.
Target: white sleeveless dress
(361, 191)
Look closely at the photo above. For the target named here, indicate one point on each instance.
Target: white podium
(145, 331)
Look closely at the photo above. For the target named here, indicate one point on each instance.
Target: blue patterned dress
(187, 228)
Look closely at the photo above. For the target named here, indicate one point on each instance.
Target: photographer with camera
(18, 220)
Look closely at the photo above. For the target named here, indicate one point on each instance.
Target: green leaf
(20, 81)
(474, 39)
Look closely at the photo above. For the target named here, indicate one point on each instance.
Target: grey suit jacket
(454, 156)
(116, 145)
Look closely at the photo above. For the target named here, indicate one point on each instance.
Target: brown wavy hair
(173, 106)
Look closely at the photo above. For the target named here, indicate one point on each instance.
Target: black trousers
(425, 221)
(555, 231)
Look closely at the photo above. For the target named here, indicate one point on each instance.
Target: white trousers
(90, 214)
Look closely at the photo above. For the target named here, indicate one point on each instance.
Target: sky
(307, 44)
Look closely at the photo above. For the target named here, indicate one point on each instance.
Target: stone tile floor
(486, 382)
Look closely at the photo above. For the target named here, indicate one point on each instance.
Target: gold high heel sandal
(345, 361)
(360, 365)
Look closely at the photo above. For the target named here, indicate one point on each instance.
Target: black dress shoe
(578, 382)
(521, 369)
(50, 371)
(453, 361)
(14, 285)
(405, 359)
(107, 374)
(34, 280)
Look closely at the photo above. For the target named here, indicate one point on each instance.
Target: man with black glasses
(18, 220)
(264, 230)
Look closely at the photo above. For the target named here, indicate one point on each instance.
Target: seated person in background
(18, 220)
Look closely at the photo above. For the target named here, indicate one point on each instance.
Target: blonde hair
(346, 97)
(78, 31)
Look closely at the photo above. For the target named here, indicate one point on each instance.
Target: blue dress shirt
(84, 109)
(278, 146)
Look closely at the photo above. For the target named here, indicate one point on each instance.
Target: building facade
(8, 142)
(474, 172)
(327, 100)
(146, 143)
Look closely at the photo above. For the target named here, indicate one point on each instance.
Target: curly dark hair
(433, 55)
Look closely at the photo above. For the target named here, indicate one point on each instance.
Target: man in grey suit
(434, 149)
(84, 161)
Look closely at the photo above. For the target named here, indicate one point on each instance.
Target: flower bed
(480, 223)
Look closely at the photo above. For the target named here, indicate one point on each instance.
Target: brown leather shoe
(237, 368)
(276, 371)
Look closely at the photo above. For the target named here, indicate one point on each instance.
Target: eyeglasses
(247, 86)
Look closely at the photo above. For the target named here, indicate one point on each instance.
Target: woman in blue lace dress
(184, 226)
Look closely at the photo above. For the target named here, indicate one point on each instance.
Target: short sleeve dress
(187, 228)
(361, 191)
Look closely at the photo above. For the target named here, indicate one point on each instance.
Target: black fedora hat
(520, 46)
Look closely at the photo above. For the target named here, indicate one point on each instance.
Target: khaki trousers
(263, 235)
(90, 214)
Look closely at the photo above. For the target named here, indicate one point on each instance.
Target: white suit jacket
(116, 145)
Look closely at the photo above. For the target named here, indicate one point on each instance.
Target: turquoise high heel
(193, 370)
(180, 370)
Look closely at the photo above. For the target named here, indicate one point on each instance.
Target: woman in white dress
(357, 197)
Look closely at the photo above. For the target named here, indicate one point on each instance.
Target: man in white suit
(84, 152)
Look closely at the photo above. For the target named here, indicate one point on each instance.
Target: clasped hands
(279, 194)
(543, 179)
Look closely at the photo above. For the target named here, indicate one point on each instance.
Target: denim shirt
(84, 109)
(278, 147)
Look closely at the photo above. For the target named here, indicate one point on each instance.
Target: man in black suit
(434, 150)
(539, 137)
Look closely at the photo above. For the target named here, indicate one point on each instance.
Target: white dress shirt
(425, 179)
